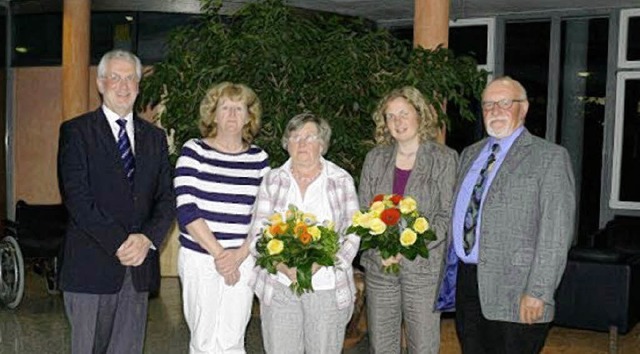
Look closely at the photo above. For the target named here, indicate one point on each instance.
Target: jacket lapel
(421, 168)
(516, 154)
(140, 150)
(387, 179)
(105, 138)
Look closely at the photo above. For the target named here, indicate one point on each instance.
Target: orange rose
(278, 229)
(305, 238)
(300, 228)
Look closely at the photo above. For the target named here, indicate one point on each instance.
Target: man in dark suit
(511, 228)
(115, 180)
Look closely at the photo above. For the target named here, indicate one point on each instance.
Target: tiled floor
(39, 325)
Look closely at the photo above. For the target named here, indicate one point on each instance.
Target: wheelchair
(36, 235)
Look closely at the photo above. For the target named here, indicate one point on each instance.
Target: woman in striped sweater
(217, 179)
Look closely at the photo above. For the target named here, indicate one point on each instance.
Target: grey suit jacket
(430, 183)
(526, 228)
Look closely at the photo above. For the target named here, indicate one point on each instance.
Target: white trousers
(217, 314)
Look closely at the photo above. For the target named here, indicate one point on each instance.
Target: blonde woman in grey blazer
(409, 162)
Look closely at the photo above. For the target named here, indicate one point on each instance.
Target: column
(76, 27)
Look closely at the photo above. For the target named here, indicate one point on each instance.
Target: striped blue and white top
(220, 188)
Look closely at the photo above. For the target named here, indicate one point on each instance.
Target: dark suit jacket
(103, 206)
(526, 228)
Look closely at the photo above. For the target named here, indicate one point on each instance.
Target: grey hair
(507, 80)
(119, 54)
(295, 123)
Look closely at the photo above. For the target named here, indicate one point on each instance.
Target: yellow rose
(275, 246)
(309, 219)
(377, 208)
(421, 225)
(355, 219)
(276, 219)
(315, 232)
(408, 237)
(365, 220)
(377, 226)
(267, 234)
(408, 205)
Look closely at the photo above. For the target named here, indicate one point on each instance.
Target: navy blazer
(104, 208)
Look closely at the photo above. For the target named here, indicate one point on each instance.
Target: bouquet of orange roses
(394, 226)
(297, 240)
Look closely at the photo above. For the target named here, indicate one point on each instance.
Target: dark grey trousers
(108, 323)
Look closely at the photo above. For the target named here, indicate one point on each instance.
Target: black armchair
(600, 289)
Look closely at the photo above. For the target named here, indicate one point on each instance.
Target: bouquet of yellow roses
(394, 226)
(297, 240)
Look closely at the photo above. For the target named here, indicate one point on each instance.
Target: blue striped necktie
(124, 147)
(471, 216)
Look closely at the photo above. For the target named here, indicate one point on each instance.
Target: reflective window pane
(583, 73)
(527, 60)
(111, 30)
(630, 162)
(37, 40)
(633, 39)
(153, 33)
(470, 41)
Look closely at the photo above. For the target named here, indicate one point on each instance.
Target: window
(625, 189)
(475, 38)
(527, 60)
(629, 47)
(37, 40)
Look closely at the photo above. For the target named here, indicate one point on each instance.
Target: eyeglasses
(395, 117)
(116, 79)
(504, 103)
(307, 139)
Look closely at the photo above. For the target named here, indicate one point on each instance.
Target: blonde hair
(234, 92)
(427, 117)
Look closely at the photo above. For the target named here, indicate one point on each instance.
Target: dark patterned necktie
(126, 153)
(471, 216)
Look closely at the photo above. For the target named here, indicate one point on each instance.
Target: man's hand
(133, 250)
(531, 309)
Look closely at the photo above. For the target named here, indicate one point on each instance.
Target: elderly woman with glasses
(407, 161)
(217, 179)
(314, 322)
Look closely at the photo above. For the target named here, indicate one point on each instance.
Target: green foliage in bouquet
(297, 240)
(393, 226)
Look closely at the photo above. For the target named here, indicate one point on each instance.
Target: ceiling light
(21, 49)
